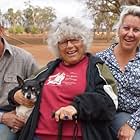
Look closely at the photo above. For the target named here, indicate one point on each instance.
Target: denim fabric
(6, 134)
(120, 119)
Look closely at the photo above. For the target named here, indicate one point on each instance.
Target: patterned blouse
(128, 84)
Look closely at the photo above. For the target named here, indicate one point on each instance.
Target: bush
(19, 29)
(11, 30)
(16, 29)
(27, 29)
(32, 30)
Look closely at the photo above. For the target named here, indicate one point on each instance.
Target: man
(13, 61)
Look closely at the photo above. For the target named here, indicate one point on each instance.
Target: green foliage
(34, 30)
(38, 17)
(16, 29)
(19, 29)
(27, 29)
(106, 12)
(33, 19)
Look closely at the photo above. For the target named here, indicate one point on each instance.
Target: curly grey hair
(68, 28)
(127, 10)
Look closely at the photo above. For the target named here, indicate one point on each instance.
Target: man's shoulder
(17, 51)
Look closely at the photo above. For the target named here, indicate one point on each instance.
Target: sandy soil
(40, 52)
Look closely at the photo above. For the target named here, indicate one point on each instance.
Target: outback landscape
(36, 45)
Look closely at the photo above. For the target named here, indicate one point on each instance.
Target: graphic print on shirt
(57, 79)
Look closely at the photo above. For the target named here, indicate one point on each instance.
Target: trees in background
(130, 2)
(33, 19)
(105, 13)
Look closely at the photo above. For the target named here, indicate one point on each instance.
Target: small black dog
(30, 90)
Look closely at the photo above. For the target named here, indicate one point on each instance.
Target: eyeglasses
(64, 43)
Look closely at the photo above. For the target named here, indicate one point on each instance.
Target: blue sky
(63, 7)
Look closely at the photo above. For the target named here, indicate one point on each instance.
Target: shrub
(16, 29)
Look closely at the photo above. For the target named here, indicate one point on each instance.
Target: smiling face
(129, 32)
(71, 50)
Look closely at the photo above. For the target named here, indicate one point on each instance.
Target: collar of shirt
(138, 52)
(7, 47)
(111, 49)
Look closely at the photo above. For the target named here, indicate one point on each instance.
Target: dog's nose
(29, 96)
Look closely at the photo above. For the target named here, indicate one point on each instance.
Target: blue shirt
(128, 84)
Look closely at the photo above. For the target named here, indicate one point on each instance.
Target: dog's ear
(20, 81)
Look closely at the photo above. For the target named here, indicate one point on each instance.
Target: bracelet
(1, 115)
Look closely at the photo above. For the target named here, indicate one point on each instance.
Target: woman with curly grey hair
(78, 98)
(123, 59)
(69, 28)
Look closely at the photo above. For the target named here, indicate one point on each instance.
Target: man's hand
(20, 99)
(126, 132)
(12, 120)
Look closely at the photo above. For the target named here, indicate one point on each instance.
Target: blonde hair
(127, 10)
(68, 28)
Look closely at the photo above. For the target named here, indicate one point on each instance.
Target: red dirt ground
(42, 54)
(36, 45)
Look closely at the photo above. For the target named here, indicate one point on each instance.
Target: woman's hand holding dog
(20, 99)
(12, 120)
